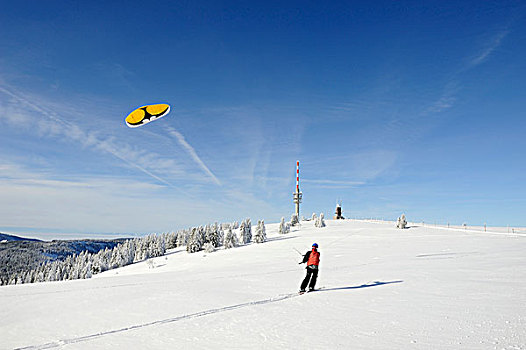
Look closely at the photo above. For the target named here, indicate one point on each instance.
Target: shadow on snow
(366, 285)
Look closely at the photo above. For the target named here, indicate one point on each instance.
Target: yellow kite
(146, 114)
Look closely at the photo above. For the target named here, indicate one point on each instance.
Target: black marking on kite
(148, 116)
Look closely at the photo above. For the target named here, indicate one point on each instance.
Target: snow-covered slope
(420, 288)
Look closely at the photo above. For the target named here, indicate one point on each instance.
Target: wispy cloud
(191, 151)
(449, 94)
(491, 45)
(335, 183)
(55, 125)
(446, 100)
(16, 174)
(41, 200)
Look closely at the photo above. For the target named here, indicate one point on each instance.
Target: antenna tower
(297, 195)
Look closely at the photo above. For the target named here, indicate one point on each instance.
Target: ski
(310, 291)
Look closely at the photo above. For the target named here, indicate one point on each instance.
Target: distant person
(312, 259)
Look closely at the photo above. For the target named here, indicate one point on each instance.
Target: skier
(312, 259)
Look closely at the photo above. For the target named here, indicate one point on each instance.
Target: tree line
(86, 264)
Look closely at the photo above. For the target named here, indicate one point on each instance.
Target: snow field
(385, 288)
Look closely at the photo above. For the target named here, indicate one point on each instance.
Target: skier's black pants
(312, 275)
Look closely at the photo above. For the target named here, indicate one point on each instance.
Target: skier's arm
(305, 258)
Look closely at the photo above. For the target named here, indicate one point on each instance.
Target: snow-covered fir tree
(209, 247)
(105, 258)
(215, 235)
(129, 252)
(117, 257)
(230, 240)
(68, 268)
(83, 262)
(52, 268)
(220, 234)
(207, 234)
(141, 251)
(212, 234)
(182, 238)
(195, 241)
(261, 235)
(158, 247)
(171, 240)
(87, 270)
(320, 222)
(245, 232)
(284, 227)
(294, 220)
(401, 222)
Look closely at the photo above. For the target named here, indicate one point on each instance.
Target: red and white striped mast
(297, 195)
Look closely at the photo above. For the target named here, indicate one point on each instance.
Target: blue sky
(391, 107)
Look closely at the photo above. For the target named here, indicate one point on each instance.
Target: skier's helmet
(315, 245)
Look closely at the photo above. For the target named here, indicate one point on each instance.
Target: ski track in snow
(63, 342)
(280, 297)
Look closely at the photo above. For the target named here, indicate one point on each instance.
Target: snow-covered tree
(284, 227)
(158, 246)
(401, 222)
(96, 265)
(117, 257)
(245, 232)
(68, 268)
(182, 238)
(209, 247)
(83, 264)
(220, 234)
(195, 241)
(86, 269)
(217, 238)
(212, 235)
(40, 276)
(294, 220)
(51, 274)
(261, 234)
(141, 249)
(129, 252)
(171, 240)
(320, 222)
(230, 240)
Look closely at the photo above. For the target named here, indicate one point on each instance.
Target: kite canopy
(146, 114)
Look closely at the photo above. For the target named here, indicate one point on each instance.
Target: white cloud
(448, 98)
(492, 44)
(335, 183)
(55, 126)
(191, 151)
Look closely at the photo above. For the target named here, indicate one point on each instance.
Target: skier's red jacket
(312, 257)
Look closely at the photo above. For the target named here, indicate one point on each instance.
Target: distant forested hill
(6, 237)
(20, 254)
